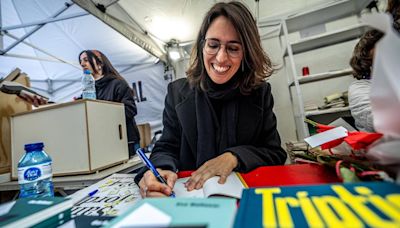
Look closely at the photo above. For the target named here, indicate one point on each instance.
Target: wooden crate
(81, 136)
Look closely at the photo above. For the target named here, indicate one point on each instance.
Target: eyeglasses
(232, 48)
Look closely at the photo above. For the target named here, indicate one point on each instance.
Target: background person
(359, 90)
(110, 86)
(393, 8)
(219, 119)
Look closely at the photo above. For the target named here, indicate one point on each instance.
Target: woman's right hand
(33, 100)
(151, 187)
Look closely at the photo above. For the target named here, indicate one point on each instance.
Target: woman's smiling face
(222, 38)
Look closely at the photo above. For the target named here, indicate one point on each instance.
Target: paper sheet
(326, 136)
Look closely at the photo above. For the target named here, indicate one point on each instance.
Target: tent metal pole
(63, 86)
(136, 67)
(19, 40)
(257, 11)
(55, 80)
(40, 89)
(1, 34)
(45, 52)
(31, 57)
(50, 88)
(112, 3)
(50, 85)
(143, 40)
(133, 20)
(43, 22)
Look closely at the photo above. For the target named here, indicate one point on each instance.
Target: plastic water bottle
(34, 172)
(88, 86)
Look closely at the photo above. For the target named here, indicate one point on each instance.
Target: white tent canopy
(61, 29)
(51, 51)
(44, 37)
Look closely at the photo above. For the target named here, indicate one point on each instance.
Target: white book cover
(108, 197)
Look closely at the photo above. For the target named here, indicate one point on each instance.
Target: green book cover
(363, 204)
(84, 221)
(179, 212)
(28, 212)
(55, 220)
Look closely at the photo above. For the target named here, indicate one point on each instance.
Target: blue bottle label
(34, 173)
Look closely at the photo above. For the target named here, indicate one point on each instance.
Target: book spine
(242, 180)
(241, 215)
(55, 220)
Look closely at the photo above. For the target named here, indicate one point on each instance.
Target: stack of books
(37, 212)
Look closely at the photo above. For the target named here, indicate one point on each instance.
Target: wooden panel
(106, 145)
(145, 134)
(9, 105)
(63, 132)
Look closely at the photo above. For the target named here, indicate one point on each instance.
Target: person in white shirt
(359, 90)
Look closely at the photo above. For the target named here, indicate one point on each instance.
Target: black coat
(118, 90)
(258, 141)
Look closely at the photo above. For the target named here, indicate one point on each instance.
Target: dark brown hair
(256, 64)
(361, 61)
(102, 60)
(393, 8)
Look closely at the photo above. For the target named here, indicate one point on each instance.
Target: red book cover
(284, 175)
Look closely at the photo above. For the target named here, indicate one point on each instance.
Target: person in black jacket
(110, 86)
(219, 119)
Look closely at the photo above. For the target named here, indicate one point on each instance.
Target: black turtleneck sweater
(219, 93)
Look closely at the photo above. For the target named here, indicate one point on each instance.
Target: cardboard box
(10, 104)
(81, 137)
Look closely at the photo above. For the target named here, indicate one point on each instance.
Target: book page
(181, 191)
(232, 188)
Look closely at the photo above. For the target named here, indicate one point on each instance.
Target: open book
(232, 188)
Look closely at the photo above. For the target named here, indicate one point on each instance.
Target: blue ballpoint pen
(149, 165)
(93, 192)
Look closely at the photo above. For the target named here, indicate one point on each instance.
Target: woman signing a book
(219, 119)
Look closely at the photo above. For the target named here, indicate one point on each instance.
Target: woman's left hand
(221, 166)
